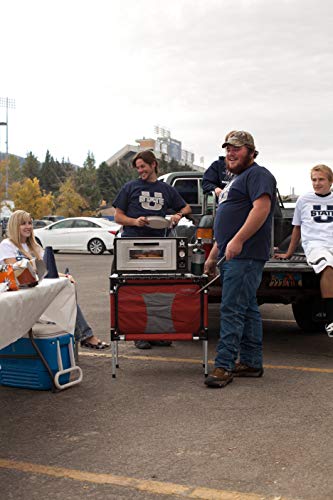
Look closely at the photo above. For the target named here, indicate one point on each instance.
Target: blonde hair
(18, 218)
(324, 169)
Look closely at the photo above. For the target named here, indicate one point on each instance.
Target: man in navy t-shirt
(242, 232)
(145, 197)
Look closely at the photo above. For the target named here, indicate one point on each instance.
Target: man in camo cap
(217, 176)
(242, 231)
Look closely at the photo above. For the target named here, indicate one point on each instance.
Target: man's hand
(217, 191)
(175, 218)
(210, 264)
(281, 256)
(141, 221)
(210, 267)
(233, 248)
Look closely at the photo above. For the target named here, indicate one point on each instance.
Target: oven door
(133, 255)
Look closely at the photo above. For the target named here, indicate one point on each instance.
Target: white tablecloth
(51, 300)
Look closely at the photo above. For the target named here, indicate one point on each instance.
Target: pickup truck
(284, 281)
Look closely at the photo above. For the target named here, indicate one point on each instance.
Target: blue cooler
(20, 365)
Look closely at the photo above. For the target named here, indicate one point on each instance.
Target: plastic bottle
(198, 259)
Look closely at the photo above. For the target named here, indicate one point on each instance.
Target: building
(164, 145)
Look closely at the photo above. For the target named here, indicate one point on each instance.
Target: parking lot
(157, 432)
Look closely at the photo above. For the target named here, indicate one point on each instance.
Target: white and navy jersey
(8, 250)
(314, 214)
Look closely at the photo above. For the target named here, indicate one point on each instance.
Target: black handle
(146, 244)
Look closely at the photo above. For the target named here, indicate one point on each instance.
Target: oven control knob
(182, 254)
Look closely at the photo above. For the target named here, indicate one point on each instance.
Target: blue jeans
(241, 325)
(82, 329)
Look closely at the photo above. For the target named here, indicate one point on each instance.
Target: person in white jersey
(313, 222)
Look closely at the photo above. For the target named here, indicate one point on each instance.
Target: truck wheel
(308, 315)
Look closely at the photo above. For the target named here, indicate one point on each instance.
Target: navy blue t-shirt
(232, 212)
(140, 198)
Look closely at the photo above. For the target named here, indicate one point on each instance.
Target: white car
(79, 233)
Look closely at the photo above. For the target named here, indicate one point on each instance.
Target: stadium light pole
(4, 124)
(7, 103)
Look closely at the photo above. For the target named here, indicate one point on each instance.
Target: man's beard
(242, 165)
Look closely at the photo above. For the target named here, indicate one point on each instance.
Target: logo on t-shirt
(149, 202)
(322, 215)
(224, 193)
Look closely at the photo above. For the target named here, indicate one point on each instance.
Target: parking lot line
(143, 485)
(199, 361)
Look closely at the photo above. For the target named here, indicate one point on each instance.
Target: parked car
(79, 233)
(37, 223)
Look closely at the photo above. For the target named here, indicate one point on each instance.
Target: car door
(58, 235)
(83, 231)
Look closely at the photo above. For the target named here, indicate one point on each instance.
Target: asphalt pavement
(157, 432)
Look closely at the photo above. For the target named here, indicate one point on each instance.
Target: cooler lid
(46, 330)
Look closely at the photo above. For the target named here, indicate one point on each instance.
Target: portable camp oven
(156, 298)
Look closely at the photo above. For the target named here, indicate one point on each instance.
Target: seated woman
(20, 244)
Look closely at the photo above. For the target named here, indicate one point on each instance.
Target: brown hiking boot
(218, 378)
(242, 370)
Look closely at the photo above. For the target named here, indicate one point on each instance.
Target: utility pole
(7, 103)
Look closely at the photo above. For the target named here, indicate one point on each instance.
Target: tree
(69, 202)
(111, 178)
(165, 167)
(15, 173)
(67, 169)
(105, 180)
(31, 166)
(29, 197)
(52, 174)
(86, 182)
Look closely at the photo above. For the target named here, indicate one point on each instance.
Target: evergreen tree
(105, 180)
(67, 169)
(47, 175)
(52, 174)
(118, 175)
(165, 167)
(86, 182)
(15, 173)
(31, 166)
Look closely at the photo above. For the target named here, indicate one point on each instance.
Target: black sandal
(103, 345)
(90, 345)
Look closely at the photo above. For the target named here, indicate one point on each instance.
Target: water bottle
(198, 259)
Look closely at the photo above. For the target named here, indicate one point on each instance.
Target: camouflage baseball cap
(239, 138)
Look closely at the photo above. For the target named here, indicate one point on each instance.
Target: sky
(95, 76)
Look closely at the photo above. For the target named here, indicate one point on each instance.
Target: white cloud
(95, 76)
